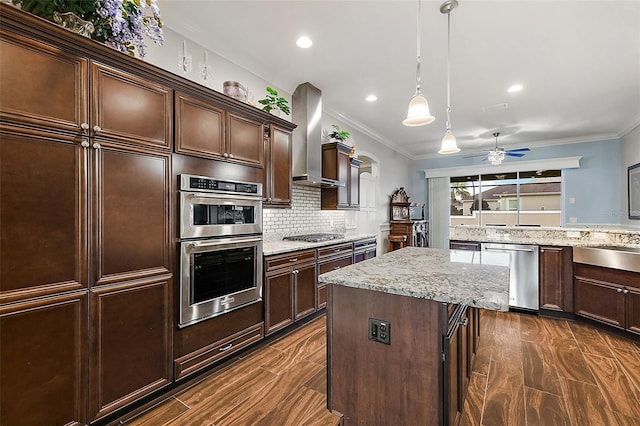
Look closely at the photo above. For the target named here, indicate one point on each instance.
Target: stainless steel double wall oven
(220, 246)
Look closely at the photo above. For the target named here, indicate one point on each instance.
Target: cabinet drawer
(334, 264)
(209, 354)
(464, 245)
(364, 243)
(335, 251)
(289, 259)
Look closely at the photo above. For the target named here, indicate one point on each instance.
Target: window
(507, 199)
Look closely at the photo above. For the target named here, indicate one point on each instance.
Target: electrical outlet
(380, 331)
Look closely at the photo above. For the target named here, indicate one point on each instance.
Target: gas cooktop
(314, 238)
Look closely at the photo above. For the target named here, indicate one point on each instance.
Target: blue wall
(595, 186)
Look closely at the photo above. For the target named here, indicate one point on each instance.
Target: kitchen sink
(615, 257)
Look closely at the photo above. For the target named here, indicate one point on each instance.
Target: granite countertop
(450, 276)
(280, 246)
(574, 237)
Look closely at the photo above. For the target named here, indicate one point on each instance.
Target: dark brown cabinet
(32, 72)
(556, 278)
(129, 354)
(608, 295)
(129, 108)
(43, 357)
(329, 259)
(464, 245)
(278, 178)
(460, 345)
(364, 249)
(84, 221)
(290, 288)
(207, 130)
(337, 165)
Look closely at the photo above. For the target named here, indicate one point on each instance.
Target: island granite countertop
(475, 279)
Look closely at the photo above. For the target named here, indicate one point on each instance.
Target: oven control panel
(202, 183)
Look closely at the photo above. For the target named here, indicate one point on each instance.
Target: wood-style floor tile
(619, 392)
(570, 362)
(545, 409)
(504, 347)
(539, 368)
(532, 329)
(618, 342)
(318, 382)
(590, 340)
(272, 397)
(586, 404)
(213, 402)
(504, 398)
(630, 363)
(508, 325)
(472, 410)
(625, 420)
(557, 329)
(483, 358)
(161, 414)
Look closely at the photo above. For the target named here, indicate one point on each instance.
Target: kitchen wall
(304, 216)
(630, 149)
(594, 187)
(393, 169)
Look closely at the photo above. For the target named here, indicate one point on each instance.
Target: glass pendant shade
(449, 145)
(418, 114)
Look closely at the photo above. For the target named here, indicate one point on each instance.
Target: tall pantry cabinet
(85, 277)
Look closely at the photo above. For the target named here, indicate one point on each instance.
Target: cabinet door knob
(625, 291)
(84, 126)
(464, 322)
(97, 128)
(96, 146)
(84, 144)
(619, 290)
(230, 155)
(225, 155)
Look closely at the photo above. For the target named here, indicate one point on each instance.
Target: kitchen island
(399, 349)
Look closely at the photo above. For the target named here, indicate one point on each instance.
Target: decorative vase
(73, 22)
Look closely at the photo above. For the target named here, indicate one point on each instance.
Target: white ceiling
(579, 63)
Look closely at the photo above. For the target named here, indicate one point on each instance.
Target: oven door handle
(214, 243)
(223, 198)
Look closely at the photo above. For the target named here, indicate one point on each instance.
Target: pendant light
(449, 145)
(418, 114)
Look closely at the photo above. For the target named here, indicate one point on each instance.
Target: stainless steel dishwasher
(523, 274)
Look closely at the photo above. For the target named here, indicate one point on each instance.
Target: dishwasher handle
(499, 247)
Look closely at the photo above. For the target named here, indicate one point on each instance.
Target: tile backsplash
(304, 216)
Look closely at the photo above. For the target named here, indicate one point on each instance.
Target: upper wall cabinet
(126, 107)
(206, 130)
(338, 165)
(41, 85)
(278, 180)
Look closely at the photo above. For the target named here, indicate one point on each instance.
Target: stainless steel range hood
(307, 137)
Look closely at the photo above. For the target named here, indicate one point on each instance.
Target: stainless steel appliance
(523, 274)
(220, 246)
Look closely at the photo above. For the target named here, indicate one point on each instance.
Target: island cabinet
(338, 165)
(556, 279)
(206, 129)
(277, 175)
(290, 288)
(608, 295)
(332, 258)
(460, 347)
(89, 239)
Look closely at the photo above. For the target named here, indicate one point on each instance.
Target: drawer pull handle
(226, 348)
(295, 259)
(336, 267)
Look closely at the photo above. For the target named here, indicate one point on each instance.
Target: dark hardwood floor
(529, 371)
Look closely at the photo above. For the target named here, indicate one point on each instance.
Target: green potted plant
(273, 102)
(339, 135)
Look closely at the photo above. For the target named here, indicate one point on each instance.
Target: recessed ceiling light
(304, 42)
(371, 98)
(515, 88)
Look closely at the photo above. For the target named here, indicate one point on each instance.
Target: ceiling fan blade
(518, 150)
(474, 155)
(514, 154)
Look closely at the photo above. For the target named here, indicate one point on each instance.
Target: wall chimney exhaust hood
(307, 138)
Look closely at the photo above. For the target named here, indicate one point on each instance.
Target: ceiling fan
(497, 154)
